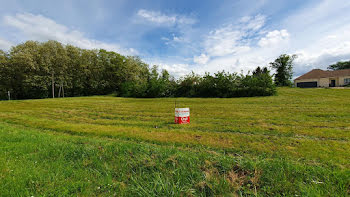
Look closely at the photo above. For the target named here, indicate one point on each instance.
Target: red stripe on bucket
(182, 115)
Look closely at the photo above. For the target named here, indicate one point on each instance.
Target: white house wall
(323, 82)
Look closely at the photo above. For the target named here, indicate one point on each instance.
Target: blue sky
(181, 36)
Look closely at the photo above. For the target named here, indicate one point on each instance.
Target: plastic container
(182, 115)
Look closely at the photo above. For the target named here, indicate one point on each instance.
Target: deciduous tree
(284, 69)
(340, 65)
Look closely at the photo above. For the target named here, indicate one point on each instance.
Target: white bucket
(182, 115)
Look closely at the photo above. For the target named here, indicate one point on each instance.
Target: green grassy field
(294, 144)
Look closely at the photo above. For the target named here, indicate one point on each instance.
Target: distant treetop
(340, 65)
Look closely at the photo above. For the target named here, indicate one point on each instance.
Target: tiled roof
(318, 73)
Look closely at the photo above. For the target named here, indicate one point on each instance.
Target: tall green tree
(75, 73)
(340, 65)
(259, 71)
(111, 64)
(188, 85)
(134, 74)
(25, 71)
(168, 84)
(284, 69)
(4, 74)
(154, 84)
(159, 84)
(54, 60)
(91, 72)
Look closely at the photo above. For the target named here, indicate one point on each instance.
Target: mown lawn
(295, 143)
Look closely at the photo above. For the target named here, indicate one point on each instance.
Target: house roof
(318, 73)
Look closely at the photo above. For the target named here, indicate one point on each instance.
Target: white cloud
(233, 48)
(331, 49)
(178, 39)
(242, 61)
(318, 33)
(222, 41)
(323, 34)
(38, 27)
(274, 38)
(156, 17)
(319, 40)
(253, 23)
(180, 25)
(176, 70)
(177, 66)
(245, 19)
(163, 19)
(5, 45)
(231, 38)
(174, 40)
(202, 59)
(317, 18)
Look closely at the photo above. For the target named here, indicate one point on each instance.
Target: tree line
(50, 69)
(340, 65)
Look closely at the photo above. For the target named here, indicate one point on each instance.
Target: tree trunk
(59, 91)
(63, 90)
(53, 85)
